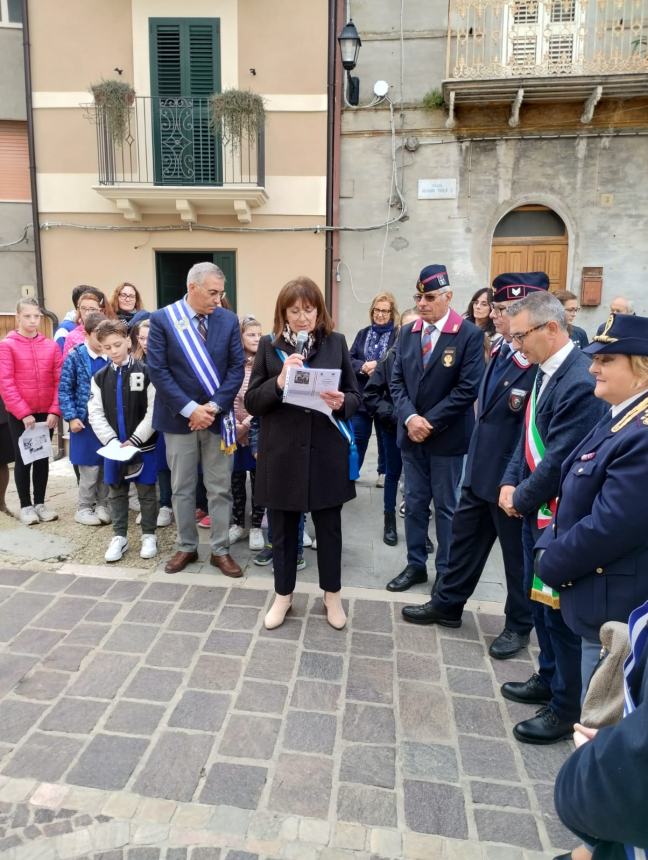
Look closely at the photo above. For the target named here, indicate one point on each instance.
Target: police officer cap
(511, 286)
(623, 334)
(432, 277)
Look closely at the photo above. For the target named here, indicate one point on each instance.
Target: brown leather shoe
(179, 561)
(226, 565)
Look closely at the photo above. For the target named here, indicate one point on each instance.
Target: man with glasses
(439, 365)
(195, 360)
(479, 521)
(561, 410)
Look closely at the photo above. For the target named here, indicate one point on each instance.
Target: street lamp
(350, 43)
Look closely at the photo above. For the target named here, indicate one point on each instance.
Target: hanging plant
(114, 100)
(433, 100)
(237, 114)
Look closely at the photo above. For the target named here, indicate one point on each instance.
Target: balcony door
(543, 36)
(171, 269)
(531, 239)
(185, 71)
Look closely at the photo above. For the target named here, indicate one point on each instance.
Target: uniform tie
(538, 383)
(426, 344)
(500, 363)
(202, 325)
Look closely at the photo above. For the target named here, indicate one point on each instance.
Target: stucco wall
(12, 79)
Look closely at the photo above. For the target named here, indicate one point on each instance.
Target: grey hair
(197, 273)
(628, 302)
(542, 308)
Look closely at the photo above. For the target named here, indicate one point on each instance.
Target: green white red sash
(534, 451)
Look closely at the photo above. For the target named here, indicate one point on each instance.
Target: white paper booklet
(305, 384)
(114, 451)
(35, 443)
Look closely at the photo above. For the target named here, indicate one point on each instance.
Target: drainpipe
(331, 152)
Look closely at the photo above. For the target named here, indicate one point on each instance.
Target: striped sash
(638, 632)
(534, 451)
(194, 350)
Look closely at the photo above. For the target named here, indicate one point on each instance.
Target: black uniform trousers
(475, 527)
(328, 532)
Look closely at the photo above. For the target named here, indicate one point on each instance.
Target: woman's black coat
(302, 460)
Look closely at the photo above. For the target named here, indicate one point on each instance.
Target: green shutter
(185, 71)
(172, 266)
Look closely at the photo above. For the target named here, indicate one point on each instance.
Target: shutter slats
(14, 161)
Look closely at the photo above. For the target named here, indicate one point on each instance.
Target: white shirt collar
(551, 365)
(616, 410)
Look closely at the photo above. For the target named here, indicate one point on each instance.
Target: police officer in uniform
(479, 520)
(438, 368)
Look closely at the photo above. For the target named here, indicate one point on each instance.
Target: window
(543, 36)
(14, 161)
(10, 13)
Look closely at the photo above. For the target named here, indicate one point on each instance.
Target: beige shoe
(335, 614)
(278, 611)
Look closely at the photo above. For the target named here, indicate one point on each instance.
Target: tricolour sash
(194, 350)
(638, 633)
(534, 451)
(345, 429)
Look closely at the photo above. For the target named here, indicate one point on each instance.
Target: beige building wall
(255, 35)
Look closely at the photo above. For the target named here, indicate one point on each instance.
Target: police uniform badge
(136, 382)
(517, 397)
(449, 355)
(181, 324)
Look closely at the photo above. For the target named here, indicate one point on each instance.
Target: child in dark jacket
(121, 409)
(79, 367)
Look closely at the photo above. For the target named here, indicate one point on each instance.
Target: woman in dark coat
(303, 458)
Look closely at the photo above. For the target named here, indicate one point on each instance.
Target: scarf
(377, 340)
(291, 337)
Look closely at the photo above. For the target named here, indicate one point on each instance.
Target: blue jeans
(429, 477)
(393, 469)
(559, 661)
(362, 424)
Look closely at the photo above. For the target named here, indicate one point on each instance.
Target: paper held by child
(304, 385)
(35, 443)
(114, 451)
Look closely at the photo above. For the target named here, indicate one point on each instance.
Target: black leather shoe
(507, 645)
(531, 692)
(390, 535)
(429, 546)
(427, 614)
(412, 575)
(545, 728)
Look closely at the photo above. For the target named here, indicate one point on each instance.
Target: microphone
(302, 340)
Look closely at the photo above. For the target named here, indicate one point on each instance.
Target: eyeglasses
(427, 297)
(127, 296)
(381, 312)
(498, 310)
(521, 336)
(572, 310)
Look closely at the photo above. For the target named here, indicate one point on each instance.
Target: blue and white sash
(638, 632)
(195, 351)
(345, 429)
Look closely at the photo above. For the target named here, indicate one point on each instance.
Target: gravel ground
(89, 543)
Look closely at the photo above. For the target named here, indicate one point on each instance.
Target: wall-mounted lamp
(350, 43)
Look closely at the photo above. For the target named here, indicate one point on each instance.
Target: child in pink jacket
(30, 367)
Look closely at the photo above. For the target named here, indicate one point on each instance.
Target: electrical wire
(22, 238)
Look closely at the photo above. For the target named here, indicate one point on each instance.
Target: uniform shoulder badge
(521, 360)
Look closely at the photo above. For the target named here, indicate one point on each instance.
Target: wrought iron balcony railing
(491, 39)
(171, 142)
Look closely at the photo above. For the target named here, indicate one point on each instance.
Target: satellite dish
(381, 88)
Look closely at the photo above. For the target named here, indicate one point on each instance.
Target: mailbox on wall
(591, 286)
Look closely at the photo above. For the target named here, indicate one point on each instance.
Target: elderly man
(561, 410)
(479, 521)
(439, 365)
(195, 361)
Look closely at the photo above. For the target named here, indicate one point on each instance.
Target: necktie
(538, 383)
(426, 344)
(500, 363)
(202, 325)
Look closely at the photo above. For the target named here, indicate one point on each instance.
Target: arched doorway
(531, 238)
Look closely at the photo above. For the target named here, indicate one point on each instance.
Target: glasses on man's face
(498, 310)
(521, 336)
(427, 297)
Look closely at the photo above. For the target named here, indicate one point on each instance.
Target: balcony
(546, 50)
(171, 161)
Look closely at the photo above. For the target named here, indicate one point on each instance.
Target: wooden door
(531, 256)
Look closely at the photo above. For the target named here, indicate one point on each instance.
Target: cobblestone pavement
(142, 718)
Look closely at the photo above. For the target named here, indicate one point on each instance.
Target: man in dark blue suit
(195, 361)
(439, 365)
(479, 521)
(562, 409)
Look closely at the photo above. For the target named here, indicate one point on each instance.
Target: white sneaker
(256, 539)
(149, 546)
(44, 514)
(87, 517)
(118, 546)
(104, 514)
(165, 517)
(28, 516)
(236, 533)
(308, 540)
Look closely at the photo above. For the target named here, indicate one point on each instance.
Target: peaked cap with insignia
(623, 334)
(433, 277)
(511, 286)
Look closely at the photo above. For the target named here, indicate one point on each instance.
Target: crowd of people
(505, 421)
